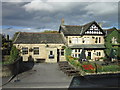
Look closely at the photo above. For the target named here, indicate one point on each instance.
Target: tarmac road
(49, 76)
(42, 75)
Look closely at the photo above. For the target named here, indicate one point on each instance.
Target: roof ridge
(72, 25)
(40, 33)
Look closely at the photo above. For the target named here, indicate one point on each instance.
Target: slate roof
(38, 38)
(76, 29)
(98, 46)
(108, 31)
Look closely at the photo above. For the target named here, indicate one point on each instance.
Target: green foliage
(63, 47)
(96, 67)
(109, 68)
(14, 53)
(88, 57)
(68, 53)
(108, 42)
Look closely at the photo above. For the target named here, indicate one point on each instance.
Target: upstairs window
(36, 50)
(75, 50)
(25, 50)
(83, 40)
(99, 40)
(96, 40)
(74, 40)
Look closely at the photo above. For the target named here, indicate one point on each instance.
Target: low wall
(105, 75)
(7, 70)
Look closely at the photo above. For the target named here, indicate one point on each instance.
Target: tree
(6, 44)
(14, 53)
(109, 43)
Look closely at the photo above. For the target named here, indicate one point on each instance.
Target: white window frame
(36, 50)
(25, 51)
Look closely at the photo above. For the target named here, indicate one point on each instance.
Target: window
(51, 52)
(62, 52)
(98, 53)
(75, 50)
(99, 40)
(24, 50)
(51, 56)
(79, 40)
(75, 55)
(69, 41)
(96, 40)
(74, 40)
(83, 40)
(36, 50)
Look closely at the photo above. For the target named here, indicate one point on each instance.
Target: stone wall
(7, 70)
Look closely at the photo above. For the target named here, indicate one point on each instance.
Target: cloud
(102, 8)
(49, 5)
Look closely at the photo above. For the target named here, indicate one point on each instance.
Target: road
(42, 75)
(49, 76)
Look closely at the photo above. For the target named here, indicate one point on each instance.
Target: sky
(40, 15)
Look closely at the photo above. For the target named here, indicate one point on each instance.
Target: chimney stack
(62, 21)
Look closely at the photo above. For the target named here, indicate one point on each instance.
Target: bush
(68, 53)
(110, 68)
(14, 53)
(88, 57)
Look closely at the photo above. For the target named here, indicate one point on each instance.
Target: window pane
(62, 51)
(96, 40)
(75, 50)
(24, 50)
(36, 50)
(51, 52)
(99, 40)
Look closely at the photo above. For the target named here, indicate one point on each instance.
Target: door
(58, 55)
(89, 54)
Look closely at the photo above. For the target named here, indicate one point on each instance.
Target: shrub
(68, 53)
(110, 68)
(14, 53)
(88, 57)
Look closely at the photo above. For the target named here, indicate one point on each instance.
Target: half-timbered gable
(94, 29)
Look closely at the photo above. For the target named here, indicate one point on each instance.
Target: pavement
(43, 75)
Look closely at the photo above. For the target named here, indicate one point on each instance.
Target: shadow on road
(93, 81)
